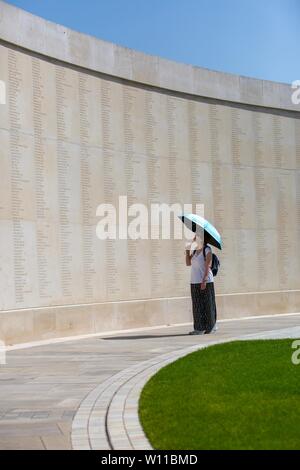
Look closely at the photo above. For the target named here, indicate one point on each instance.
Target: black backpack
(215, 263)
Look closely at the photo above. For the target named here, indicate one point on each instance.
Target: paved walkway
(83, 394)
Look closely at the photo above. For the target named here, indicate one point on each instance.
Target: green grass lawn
(240, 395)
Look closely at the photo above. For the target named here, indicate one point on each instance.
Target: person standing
(202, 289)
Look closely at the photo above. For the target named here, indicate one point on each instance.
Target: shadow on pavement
(143, 337)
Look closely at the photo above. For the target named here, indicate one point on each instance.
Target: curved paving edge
(107, 418)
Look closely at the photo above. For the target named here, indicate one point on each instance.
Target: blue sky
(256, 38)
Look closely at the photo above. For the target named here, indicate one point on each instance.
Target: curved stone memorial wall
(83, 122)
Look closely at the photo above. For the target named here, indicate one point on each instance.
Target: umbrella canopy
(195, 222)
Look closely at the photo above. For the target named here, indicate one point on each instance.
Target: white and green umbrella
(197, 223)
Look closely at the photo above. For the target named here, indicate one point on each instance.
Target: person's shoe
(215, 328)
(196, 333)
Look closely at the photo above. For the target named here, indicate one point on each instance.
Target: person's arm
(208, 263)
(188, 258)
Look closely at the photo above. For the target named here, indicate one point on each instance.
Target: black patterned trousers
(204, 307)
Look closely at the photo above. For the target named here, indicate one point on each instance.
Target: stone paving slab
(43, 390)
(21, 443)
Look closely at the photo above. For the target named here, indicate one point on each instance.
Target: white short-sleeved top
(198, 267)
